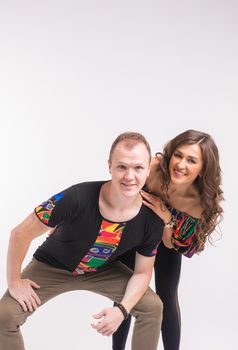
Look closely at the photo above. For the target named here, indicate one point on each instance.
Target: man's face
(129, 168)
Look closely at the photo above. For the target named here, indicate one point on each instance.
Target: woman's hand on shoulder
(152, 179)
(156, 205)
(160, 209)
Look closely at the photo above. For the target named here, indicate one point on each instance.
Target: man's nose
(129, 174)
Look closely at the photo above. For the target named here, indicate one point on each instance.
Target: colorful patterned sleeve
(148, 250)
(152, 237)
(57, 209)
(184, 235)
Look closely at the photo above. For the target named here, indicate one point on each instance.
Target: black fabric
(75, 213)
(167, 273)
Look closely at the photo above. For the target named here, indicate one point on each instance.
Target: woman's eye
(191, 161)
(177, 155)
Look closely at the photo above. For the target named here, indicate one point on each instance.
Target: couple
(95, 224)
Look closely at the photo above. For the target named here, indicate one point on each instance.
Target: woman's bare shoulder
(155, 162)
(153, 179)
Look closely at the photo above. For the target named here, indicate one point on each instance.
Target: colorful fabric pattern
(44, 210)
(106, 243)
(184, 232)
(154, 251)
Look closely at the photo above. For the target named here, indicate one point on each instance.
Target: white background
(75, 74)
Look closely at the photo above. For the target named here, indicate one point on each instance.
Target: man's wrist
(13, 282)
(123, 310)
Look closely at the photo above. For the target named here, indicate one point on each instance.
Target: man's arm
(136, 287)
(20, 239)
(139, 281)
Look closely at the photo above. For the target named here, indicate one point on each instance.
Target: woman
(184, 190)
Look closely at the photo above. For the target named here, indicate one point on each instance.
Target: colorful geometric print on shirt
(184, 234)
(105, 245)
(75, 215)
(44, 210)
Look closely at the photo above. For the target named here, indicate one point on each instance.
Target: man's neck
(115, 207)
(116, 201)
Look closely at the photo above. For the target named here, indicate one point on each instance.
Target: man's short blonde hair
(130, 139)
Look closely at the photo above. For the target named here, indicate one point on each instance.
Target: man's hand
(23, 292)
(112, 318)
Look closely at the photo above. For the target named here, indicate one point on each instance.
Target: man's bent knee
(150, 304)
(154, 305)
(11, 314)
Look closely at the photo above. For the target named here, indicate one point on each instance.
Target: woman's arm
(180, 228)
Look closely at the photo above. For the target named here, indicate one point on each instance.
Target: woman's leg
(167, 272)
(120, 336)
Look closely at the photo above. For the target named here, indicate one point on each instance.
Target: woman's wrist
(170, 223)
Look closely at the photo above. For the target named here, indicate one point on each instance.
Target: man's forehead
(137, 152)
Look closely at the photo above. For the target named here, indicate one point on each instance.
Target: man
(94, 223)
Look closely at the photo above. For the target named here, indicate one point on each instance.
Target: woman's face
(185, 164)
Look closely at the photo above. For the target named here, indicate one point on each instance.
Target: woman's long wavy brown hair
(208, 183)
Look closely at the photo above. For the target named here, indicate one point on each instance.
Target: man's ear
(109, 165)
(150, 165)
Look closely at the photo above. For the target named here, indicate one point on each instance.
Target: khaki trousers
(110, 282)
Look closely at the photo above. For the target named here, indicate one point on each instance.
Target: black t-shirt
(83, 240)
